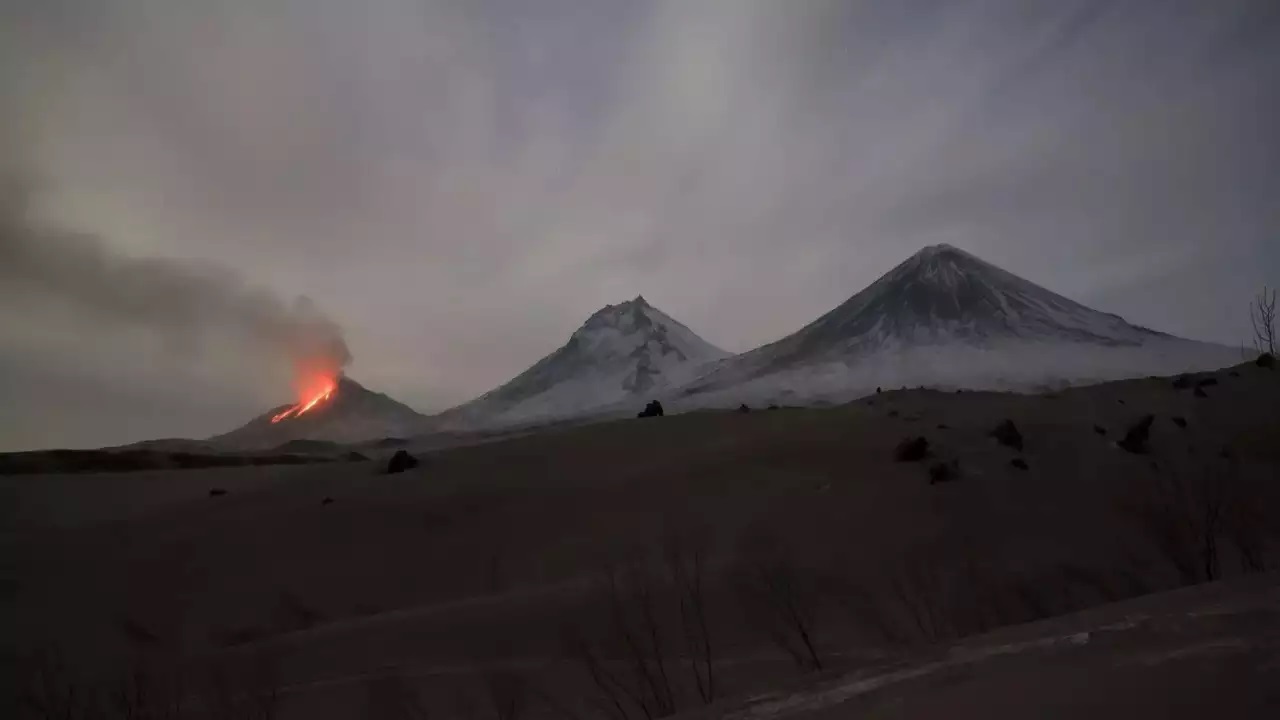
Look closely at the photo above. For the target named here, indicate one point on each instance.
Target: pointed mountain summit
(353, 413)
(944, 317)
(942, 295)
(622, 352)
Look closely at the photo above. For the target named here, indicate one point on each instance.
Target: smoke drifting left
(187, 303)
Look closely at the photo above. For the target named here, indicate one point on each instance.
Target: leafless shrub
(48, 690)
(1188, 511)
(781, 598)
(154, 686)
(686, 570)
(629, 594)
(151, 690)
(1262, 313)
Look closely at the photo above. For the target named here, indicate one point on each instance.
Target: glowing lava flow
(323, 394)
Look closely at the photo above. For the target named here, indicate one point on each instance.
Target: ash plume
(47, 270)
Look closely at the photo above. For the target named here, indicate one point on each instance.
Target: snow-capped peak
(623, 350)
(945, 316)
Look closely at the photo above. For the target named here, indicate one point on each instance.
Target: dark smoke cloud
(187, 304)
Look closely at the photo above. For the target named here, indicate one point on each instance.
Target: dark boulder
(1179, 421)
(1100, 430)
(401, 461)
(1207, 382)
(1136, 437)
(653, 409)
(327, 501)
(354, 456)
(1006, 433)
(911, 450)
(217, 492)
(1182, 382)
(942, 472)
(1199, 392)
(1019, 463)
(744, 408)
(1265, 360)
(773, 406)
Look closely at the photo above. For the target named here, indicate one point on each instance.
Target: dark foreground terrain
(773, 563)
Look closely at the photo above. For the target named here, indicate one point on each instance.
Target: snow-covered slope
(946, 318)
(352, 414)
(622, 353)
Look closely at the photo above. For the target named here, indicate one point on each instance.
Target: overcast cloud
(458, 185)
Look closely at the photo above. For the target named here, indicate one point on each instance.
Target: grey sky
(460, 184)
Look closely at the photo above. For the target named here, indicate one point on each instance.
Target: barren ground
(455, 587)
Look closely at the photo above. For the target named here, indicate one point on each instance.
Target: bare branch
(1262, 314)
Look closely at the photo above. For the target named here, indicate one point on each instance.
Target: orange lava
(322, 390)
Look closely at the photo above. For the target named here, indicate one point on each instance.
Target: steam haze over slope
(456, 184)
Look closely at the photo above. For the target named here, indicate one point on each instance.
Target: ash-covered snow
(622, 353)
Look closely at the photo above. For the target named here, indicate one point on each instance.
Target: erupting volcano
(317, 391)
(330, 406)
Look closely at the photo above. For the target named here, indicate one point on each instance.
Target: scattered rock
(1182, 382)
(1100, 430)
(911, 450)
(327, 501)
(1006, 433)
(1136, 437)
(217, 492)
(401, 461)
(944, 472)
(1019, 463)
(743, 408)
(1207, 382)
(653, 409)
(1199, 392)
(354, 456)
(1179, 421)
(1265, 360)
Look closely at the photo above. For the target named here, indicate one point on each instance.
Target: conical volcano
(348, 413)
(944, 317)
